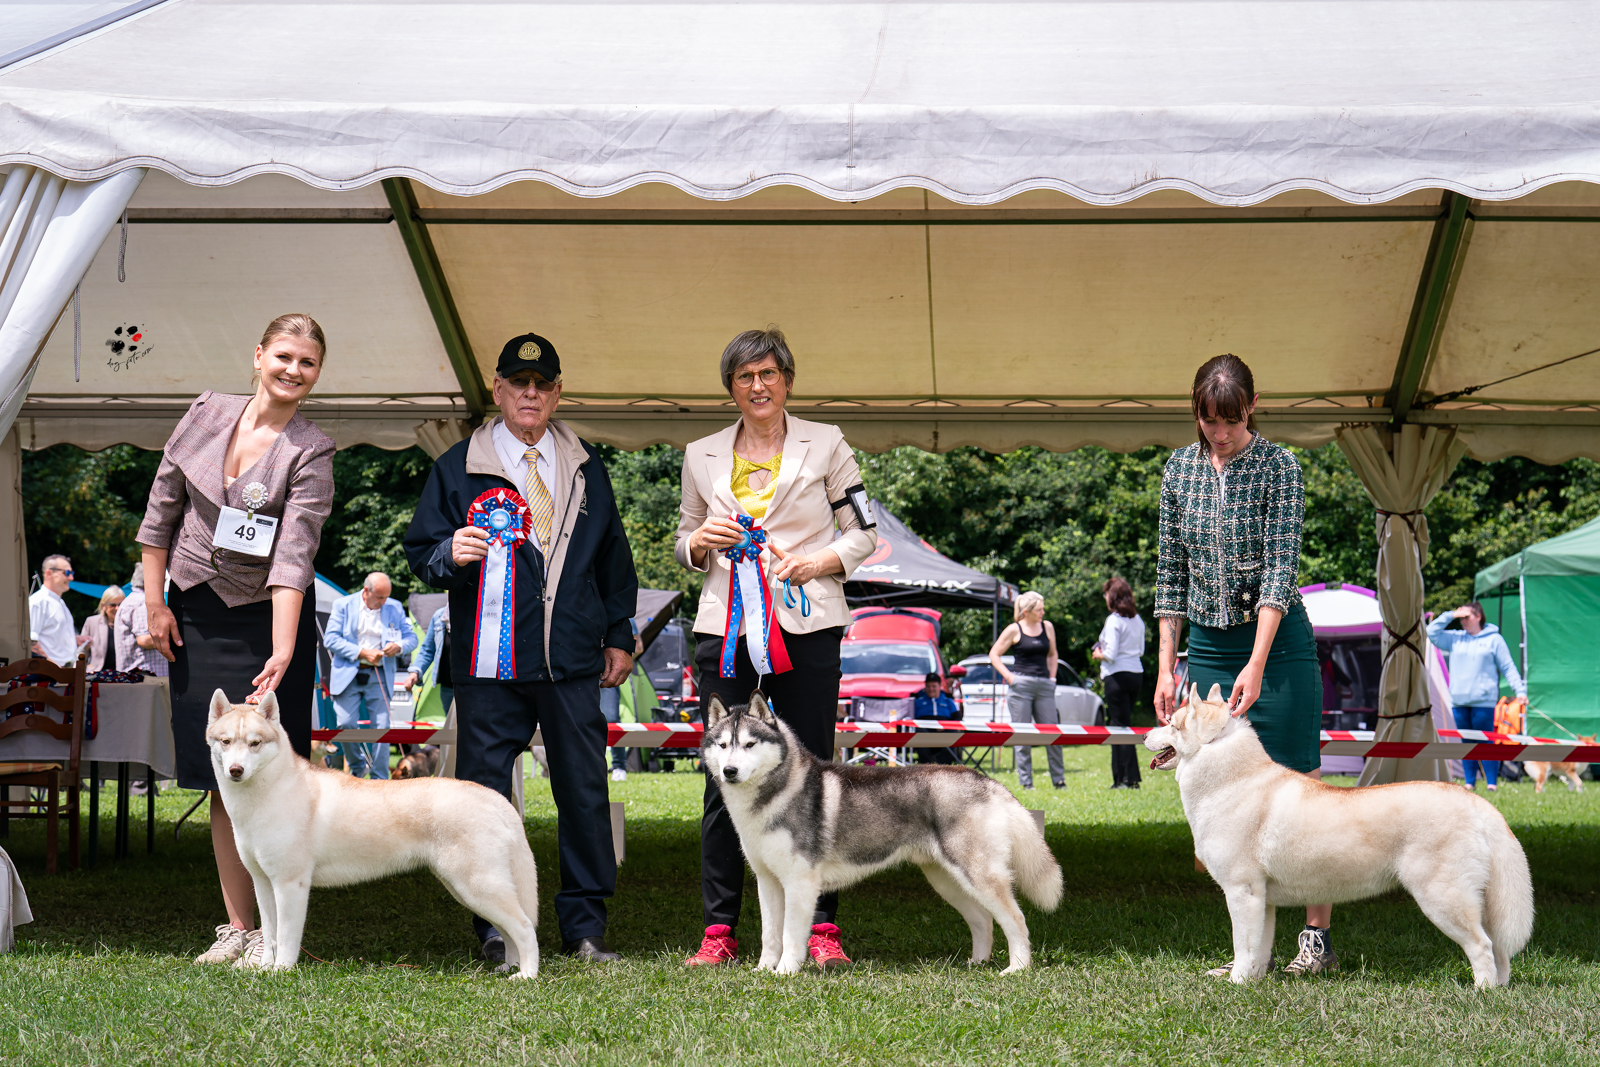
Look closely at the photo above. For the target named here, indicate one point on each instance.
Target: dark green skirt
(1288, 715)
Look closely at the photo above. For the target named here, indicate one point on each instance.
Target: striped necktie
(540, 506)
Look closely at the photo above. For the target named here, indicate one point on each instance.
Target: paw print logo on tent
(129, 343)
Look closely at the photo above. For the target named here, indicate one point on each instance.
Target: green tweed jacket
(1230, 545)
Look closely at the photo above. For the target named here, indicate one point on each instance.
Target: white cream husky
(298, 826)
(1271, 837)
(807, 825)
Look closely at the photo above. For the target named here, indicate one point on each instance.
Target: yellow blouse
(754, 501)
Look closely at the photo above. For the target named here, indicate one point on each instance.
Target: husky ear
(219, 707)
(269, 706)
(1213, 717)
(1215, 694)
(760, 709)
(716, 711)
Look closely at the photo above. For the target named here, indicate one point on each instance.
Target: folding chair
(874, 709)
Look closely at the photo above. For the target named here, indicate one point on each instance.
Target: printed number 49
(246, 532)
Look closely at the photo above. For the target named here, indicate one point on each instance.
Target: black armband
(857, 500)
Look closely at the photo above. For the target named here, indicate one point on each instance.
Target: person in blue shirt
(1478, 656)
(934, 703)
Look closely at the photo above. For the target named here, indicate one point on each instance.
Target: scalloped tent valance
(1233, 102)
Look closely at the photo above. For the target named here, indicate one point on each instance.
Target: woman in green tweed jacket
(1232, 507)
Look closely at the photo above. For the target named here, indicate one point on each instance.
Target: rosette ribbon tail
(750, 605)
(504, 515)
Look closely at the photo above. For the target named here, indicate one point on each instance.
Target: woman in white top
(1119, 650)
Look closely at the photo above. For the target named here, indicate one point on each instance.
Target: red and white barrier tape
(930, 733)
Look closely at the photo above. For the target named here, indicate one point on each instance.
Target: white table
(133, 731)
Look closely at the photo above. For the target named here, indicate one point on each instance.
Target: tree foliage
(1060, 523)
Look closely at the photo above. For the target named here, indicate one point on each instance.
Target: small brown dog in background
(423, 763)
(1540, 771)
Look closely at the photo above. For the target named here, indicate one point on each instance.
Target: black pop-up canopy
(906, 571)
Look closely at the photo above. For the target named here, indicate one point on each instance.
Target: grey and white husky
(809, 826)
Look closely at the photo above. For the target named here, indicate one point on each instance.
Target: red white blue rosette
(747, 584)
(504, 514)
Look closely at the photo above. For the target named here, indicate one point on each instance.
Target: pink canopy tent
(1348, 626)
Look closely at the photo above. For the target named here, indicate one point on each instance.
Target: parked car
(885, 656)
(985, 693)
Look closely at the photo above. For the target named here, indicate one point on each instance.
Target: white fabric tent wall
(50, 230)
(1402, 472)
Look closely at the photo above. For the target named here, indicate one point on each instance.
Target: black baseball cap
(932, 677)
(526, 352)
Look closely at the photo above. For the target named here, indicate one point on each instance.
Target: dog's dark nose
(731, 773)
(236, 772)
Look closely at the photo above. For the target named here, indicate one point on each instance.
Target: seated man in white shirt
(366, 631)
(51, 631)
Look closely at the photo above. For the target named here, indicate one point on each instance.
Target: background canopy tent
(906, 571)
(1550, 592)
(989, 224)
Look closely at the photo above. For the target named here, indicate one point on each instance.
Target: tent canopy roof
(1574, 552)
(976, 101)
(991, 224)
(906, 571)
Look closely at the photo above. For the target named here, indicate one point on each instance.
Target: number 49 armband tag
(243, 531)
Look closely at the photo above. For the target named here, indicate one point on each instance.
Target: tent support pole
(436, 290)
(1441, 269)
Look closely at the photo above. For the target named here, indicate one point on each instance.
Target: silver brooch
(255, 496)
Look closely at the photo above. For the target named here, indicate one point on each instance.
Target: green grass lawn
(103, 975)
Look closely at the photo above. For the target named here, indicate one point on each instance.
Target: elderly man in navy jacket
(519, 523)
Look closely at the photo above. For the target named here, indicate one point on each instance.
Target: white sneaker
(1316, 956)
(254, 951)
(226, 948)
(619, 775)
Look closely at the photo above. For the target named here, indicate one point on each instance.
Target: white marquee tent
(983, 223)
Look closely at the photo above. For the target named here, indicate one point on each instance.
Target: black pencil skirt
(224, 648)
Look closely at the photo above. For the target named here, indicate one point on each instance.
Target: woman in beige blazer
(800, 481)
(236, 619)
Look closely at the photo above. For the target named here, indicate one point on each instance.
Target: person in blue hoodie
(1478, 657)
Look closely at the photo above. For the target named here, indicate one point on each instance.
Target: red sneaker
(824, 947)
(717, 947)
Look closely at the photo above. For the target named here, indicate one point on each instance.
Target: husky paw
(789, 966)
(1014, 968)
(768, 962)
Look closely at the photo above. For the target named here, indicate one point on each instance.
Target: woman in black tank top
(1030, 655)
(1031, 676)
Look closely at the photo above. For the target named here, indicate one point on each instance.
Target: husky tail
(1508, 898)
(1038, 873)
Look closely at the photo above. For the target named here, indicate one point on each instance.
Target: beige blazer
(817, 468)
(189, 493)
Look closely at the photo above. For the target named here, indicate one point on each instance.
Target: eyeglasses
(769, 376)
(59, 570)
(523, 385)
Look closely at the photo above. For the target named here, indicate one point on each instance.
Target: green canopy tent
(1545, 600)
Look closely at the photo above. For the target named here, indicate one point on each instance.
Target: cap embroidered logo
(529, 351)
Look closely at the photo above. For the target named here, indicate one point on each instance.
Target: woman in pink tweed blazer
(232, 617)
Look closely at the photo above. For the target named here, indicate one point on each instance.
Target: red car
(886, 655)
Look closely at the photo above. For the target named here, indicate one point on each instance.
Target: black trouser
(1122, 689)
(807, 698)
(494, 723)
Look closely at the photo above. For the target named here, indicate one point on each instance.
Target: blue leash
(788, 600)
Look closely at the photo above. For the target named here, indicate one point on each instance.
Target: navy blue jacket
(560, 637)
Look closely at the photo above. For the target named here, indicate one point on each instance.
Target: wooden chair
(56, 776)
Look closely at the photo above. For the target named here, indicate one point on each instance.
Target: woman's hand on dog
(163, 628)
(1246, 688)
(270, 676)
